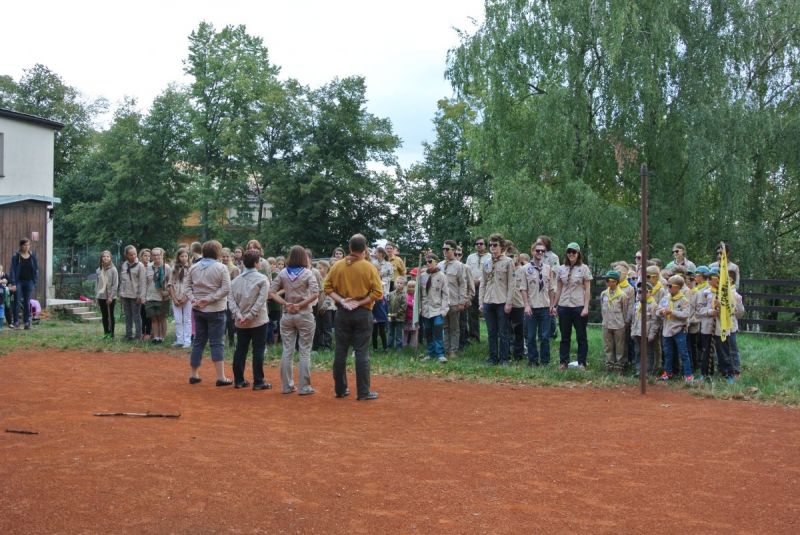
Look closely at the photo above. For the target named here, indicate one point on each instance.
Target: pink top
(409, 308)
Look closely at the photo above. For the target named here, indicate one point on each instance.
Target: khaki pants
(294, 326)
(615, 347)
(452, 330)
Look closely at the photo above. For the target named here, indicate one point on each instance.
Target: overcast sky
(113, 49)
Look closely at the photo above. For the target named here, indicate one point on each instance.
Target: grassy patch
(770, 366)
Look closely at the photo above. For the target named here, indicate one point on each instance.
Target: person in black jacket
(22, 281)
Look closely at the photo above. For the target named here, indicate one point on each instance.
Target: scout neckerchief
(158, 276)
(613, 296)
(490, 275)
(623, 283)
(655, 289)
(673, 298)
(700, 287)
(129, 268)
(533, 267)
(431, 271)
(294, 272)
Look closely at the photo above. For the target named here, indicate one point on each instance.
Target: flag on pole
(726, 298)
(417, 302)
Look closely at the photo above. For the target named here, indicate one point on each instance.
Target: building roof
(11, 199)
(25, 117)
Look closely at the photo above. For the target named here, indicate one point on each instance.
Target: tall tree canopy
(574, 95)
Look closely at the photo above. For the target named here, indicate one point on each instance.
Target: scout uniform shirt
(435, 301)
(538, 282)
(572, 285)
(614, 308)
(497, 281)
(680, 310)
(457, 276)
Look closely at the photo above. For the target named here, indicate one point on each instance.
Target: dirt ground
(427, 457)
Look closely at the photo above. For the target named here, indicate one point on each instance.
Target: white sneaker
(443, 360)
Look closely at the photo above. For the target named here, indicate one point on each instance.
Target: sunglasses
(479, 243)
(676, 251)
(538, 251)
(459, 254)
(446, 248)
(431, 260)
(638, 257)
(571, 251)
(494, 245)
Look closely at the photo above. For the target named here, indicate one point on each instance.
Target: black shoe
(490, 362)
(194, 380)
(27, 326)
(262, 386)
(368, 397)
(243, 384)
(344, 394)
(224, 382)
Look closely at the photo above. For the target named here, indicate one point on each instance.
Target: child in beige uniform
(675, 310)
(614, 308)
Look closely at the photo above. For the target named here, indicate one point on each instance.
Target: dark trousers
(379, 330)
(244, 337)
(352, 328)
(706, 358)
(107, 311)
(22, 300)
(516, 338)
(147, 323)
(230, 328)
(209, 327)
(637, 354)
(538, 324)
(463, 318)
(695, 349)
(569, 317)
(322, 332)
(724, 356)
(474, 320)
(497, 328)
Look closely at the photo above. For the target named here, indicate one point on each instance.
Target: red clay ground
(428, 457)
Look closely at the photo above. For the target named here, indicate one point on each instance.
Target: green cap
(575, 246)
(613, 275)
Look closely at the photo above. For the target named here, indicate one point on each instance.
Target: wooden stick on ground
(139, 414)
(22, 432)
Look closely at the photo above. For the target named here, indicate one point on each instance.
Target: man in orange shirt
(354, 285)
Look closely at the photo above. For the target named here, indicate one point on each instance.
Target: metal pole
(643, 354)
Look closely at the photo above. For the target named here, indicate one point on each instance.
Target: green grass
(770, 366)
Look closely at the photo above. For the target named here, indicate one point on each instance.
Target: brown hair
(497, 237)
(254, 244)
(250, 259)
(297, 257)
(212, 249)
(179, 269)
(100, 261)
(357, 243)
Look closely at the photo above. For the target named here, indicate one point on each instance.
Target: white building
(26, 191)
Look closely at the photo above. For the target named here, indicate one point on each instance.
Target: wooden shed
(27, 216)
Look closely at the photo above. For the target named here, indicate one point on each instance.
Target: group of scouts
(691, 317)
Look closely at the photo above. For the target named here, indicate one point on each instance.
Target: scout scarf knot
(613, 296)
(158, 276)
(431, 271)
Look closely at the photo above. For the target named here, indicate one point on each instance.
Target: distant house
(237, 221)
(26, 191)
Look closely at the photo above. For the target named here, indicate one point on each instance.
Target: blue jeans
(396, 334)
(497, 328)
(434, 334)
(683, 352)
(569, 317)
(538, 325)
(208, 327)
(22, 299)
(735, 363)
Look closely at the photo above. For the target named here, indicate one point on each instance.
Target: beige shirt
(517, 301)
(678, 320)
(497, 281)
(107, 283)
(474, 263)
(652, 321)
(248, 299)
(157, 294)
(132, 280)
(531, 278)
(572, 292)
(435, 302)
(296, 289)
(210, 281)
(615, 312)
(179, 287)
(457, 276)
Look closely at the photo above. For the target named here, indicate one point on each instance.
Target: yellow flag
(725, 296)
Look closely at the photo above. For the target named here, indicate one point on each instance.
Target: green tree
(231, 74)
(140, 177)
(333, 192)
(574, 95)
